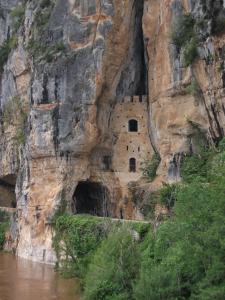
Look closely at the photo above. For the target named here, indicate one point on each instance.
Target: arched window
(133, 125)
(132, 165)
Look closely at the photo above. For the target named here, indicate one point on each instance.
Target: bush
(190, 53)
(114, 268)
(4, 224)
(18, 15)
(149, 168)
(196, 166)
(193, 88)
(185, 258)
(168, 195)
(5, 50)
(14, 114)
(76, 238)
(182, 30)
(184, 36)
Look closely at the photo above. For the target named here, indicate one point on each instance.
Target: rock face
(89, 91)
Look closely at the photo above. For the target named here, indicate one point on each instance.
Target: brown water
(24, 280)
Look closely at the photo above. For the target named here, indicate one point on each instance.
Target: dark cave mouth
(7, 191)
(91, 198)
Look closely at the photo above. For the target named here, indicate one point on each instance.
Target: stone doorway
(91, 198)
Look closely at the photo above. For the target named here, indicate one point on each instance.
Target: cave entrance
(91, 198)
(7, 191)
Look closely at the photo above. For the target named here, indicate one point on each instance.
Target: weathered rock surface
(68, 84)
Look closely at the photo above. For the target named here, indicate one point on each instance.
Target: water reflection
(24, 280)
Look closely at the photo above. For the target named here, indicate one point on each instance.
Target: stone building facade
(132, 146)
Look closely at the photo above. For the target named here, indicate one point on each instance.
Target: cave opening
(91, 198)
(7, 191)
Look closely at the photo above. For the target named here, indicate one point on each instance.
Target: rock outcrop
(74, 75)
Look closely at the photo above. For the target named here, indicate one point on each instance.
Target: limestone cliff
(89, 90)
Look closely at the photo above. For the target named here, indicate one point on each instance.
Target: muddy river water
(25, 280)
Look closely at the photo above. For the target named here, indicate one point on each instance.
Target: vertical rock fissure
(133, 79)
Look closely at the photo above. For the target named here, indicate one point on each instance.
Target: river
(25, 280)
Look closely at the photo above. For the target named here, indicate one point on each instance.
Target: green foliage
(196, 166)
(18, 15)
(190, 52)
(76, 238)
(14, 114)
(5, 50)
(149, 168)
(168, 195)
(184, 36)
(114, 268)
(4, 223)
(185, 258)
(183, 30)
(39, 47)
(193, 88)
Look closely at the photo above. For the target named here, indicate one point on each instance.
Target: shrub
(190, 53)
(168, 195)
(196, 166)
(149, 168)
(182, 30)
(5, 50)
(185, 258)
(114, 268)
(4, 223)
(14, 114)
(76, 238)
(18, 15)
(193, 88)
(184, 36)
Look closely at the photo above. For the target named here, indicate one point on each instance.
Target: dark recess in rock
(133, 80)
(91, 198)
(45, 98)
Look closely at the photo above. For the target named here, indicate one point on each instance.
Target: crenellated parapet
(135, 99)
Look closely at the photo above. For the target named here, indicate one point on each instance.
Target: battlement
(135, 99)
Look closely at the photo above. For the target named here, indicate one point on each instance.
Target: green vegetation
(149, 167)
(182, 259)
(75, 241)
(193, 88)
(4, 224)
(184, 36)
(5, 50)
(39, 46)
(183, 30)
(18, 15)
(14, 114)
(114, 268)
(185, 258)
